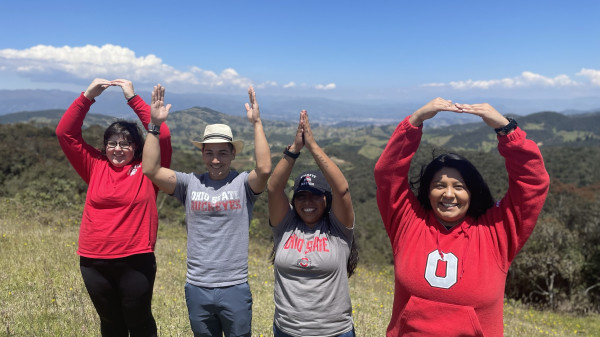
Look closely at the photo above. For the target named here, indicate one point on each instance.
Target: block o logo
(438, 277)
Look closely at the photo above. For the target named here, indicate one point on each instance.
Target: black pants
(121, 290)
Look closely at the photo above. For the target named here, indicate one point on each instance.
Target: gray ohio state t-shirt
(312, 296)
(218, 216)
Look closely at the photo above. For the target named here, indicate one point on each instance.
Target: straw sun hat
(219, 133)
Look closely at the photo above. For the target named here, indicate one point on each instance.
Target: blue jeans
(218, 311)
(279, 333)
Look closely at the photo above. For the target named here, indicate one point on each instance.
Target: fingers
(155, 94)
(252, 111)
(473, 108)
(158, 94)
(306, 122)
(161, 92)
(100, 82)
(251, 95)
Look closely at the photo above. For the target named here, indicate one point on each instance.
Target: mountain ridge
(323, 110)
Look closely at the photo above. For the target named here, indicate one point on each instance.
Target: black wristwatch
(154, 129)
(512, 124)
(293, 155)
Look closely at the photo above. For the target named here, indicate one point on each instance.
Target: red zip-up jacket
(120, 217)
(451, 282)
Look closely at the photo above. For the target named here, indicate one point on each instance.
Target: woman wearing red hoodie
(452, 244)
(120, 219)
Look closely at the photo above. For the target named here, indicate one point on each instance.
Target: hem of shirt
(113, 256)
(320, 335)
(216, 285)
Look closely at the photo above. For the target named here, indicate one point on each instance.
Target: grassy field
(42, 293)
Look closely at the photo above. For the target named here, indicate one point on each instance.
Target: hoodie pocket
(423, 317)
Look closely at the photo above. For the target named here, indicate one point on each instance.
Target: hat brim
(238, 145)
(309, 189)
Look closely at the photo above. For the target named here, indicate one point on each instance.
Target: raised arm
(341, 203)
(431, 109)
(488, 114)
(128, 91)
(78, 152)
(528, 180)
(142, 110)
(259, 176)
(395, 199)
(162, 177)
(279, 203)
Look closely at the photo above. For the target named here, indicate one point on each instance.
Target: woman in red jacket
(120, 219)
(452, 244)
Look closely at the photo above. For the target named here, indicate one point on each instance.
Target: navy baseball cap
(312, 181)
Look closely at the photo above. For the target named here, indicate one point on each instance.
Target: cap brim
(309, 189)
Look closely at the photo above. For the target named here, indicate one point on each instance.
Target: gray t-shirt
(218, 216)
(312, 297)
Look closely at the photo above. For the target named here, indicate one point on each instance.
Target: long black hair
(481, 197)
(130, 131)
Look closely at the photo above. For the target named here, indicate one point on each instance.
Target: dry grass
(42, 293)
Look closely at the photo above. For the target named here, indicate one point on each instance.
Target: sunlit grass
(42, 293)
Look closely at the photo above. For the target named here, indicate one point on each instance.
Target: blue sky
(347, 50)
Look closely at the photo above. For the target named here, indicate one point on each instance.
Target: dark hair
(353, 258)
(481, 197)
(130, 131)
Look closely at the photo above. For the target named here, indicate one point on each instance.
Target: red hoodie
(451, 282)
(120, 216)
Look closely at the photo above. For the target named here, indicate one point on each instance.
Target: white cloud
(266, 84)
(329, 86)
(525, 80)
(48, 63)
(44, 63)
(436, 84)
(592, 74)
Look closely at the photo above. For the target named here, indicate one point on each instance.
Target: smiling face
(217, 157)
(310, 207)
(118, 155)
(449, 196)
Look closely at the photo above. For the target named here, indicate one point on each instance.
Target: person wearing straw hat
(218, 205)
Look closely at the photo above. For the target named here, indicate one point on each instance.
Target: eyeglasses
(125, 145)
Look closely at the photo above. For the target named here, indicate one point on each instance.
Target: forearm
(72, 120)
(151, 156)
(262, 151)
(333, 174)
(141, 109)
(166, 150)
(395, 159)
(528, 178)
(281, 174)
(278, 200)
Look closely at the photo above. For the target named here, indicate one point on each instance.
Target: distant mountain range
(326, 111)
(546, 128)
